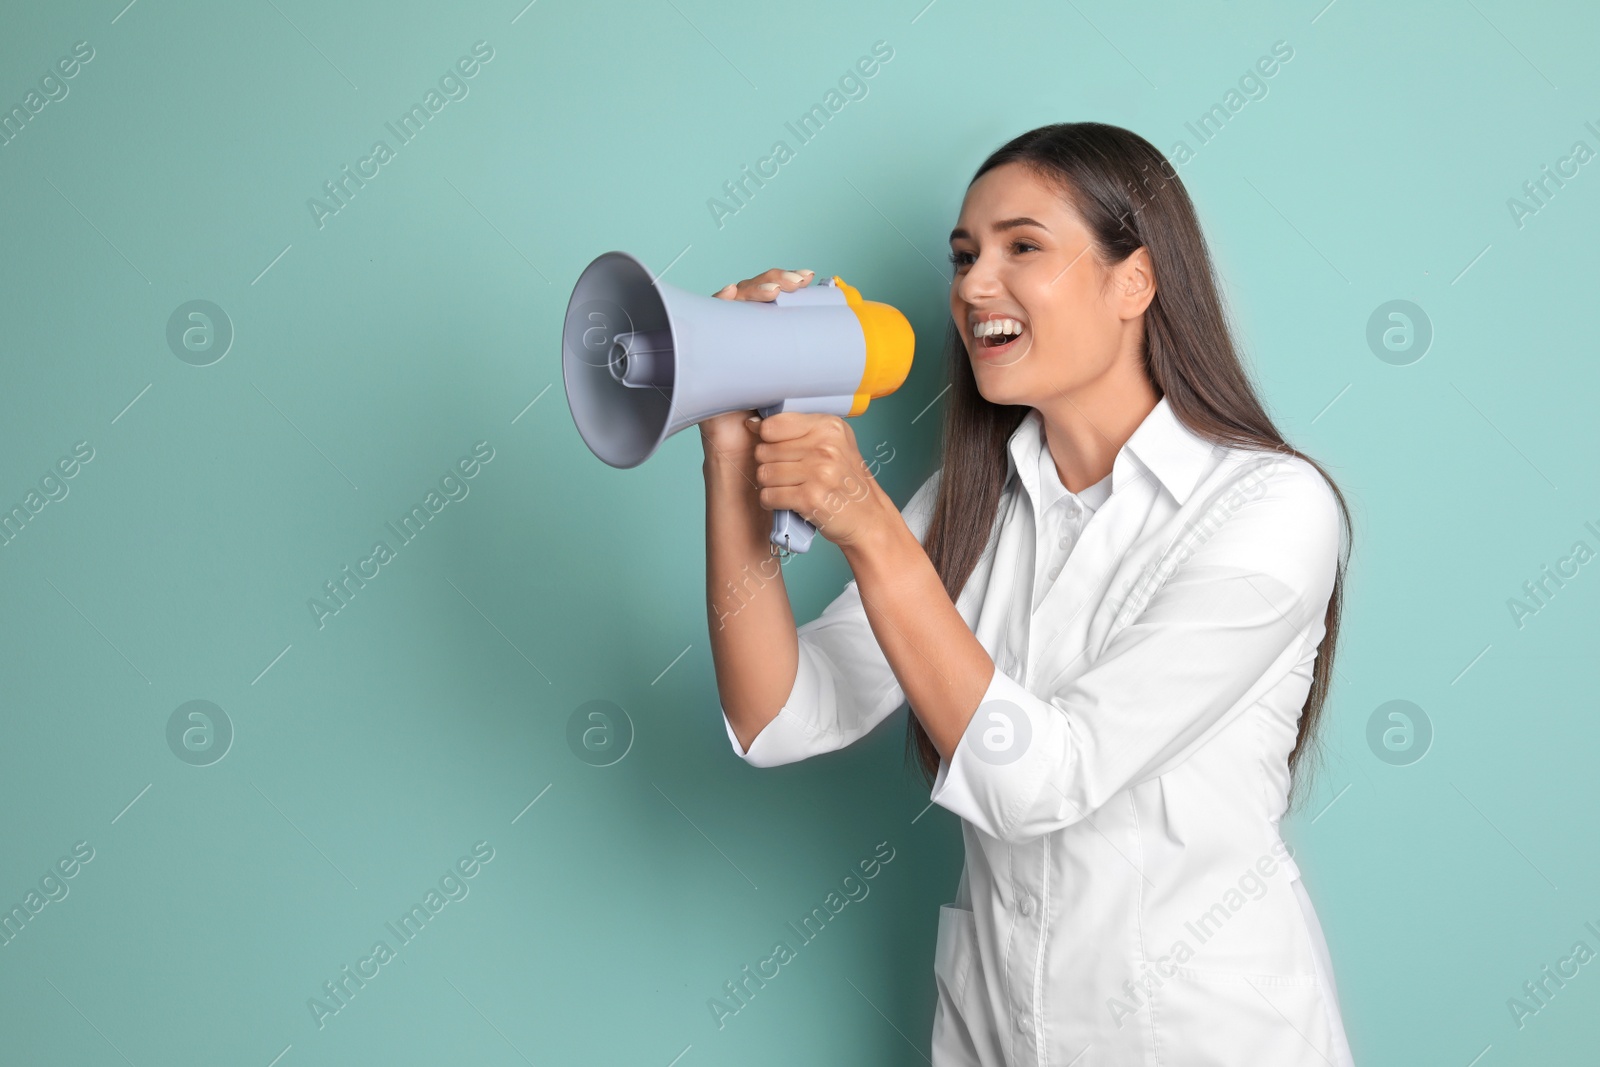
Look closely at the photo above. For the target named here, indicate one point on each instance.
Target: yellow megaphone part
(890, 346)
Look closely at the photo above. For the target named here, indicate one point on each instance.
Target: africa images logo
(452, 86)
(453, 885)
(742, 989)
(342, 588)
(1003, 733)
(852, 85)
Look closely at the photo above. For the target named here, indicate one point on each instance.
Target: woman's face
(1020, 252)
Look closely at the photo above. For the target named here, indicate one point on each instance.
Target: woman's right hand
(727, 435)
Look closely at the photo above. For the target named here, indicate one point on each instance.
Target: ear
(1135, 284)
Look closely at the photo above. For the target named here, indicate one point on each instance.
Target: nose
(980, 282)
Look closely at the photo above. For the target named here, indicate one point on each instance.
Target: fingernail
(808, 273)
(767, 286)
(793, 276)
(751, 421)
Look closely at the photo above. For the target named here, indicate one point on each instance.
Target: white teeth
(993, 326)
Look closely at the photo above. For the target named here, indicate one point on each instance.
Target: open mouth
(999, 342)
(999, 337)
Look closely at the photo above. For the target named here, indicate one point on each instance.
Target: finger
(788, 425)
(727, 292)
(797, 498)
(779, 274)
(790, 280)
(777, 475)
(769, 283)
(779, 452)
(783, 498)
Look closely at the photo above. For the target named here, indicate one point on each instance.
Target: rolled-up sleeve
(843, 685)
(1244, 595)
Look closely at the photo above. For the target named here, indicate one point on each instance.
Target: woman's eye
(960, 259)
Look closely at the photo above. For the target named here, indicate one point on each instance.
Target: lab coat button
(1066, 542)
(1024, 1021)
(1025, 905)
(1054, 572)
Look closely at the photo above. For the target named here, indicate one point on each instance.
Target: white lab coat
(1126, 897)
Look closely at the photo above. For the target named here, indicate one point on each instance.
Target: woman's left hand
(809, 464)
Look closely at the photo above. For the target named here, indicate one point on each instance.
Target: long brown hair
(1129, 197)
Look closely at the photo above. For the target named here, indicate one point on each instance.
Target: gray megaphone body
(642, 359)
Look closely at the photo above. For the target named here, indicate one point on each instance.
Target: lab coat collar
(1161, 445)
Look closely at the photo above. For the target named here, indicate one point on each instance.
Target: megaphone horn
(642, 359)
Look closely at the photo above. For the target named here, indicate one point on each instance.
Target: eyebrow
(1003, 224)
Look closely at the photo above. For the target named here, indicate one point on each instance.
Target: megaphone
(642, 359)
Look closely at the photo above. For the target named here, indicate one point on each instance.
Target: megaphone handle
(790, 532)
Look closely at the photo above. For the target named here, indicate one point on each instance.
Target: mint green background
(377, 750)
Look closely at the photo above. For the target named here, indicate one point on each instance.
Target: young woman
(1112, 611)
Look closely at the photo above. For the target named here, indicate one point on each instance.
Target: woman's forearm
(940, 664)
(754, 643)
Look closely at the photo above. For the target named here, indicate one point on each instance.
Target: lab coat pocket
(1215, 1018)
